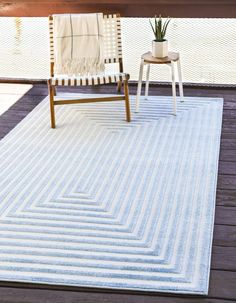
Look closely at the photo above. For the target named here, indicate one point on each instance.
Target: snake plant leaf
(165, 27)
(152, 28)
(159, 28)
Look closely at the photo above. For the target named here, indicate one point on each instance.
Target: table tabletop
(172, 56)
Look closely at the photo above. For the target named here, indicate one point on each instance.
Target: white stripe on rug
(100, 202)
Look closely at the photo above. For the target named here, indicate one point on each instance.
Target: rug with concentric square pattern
(99, 202)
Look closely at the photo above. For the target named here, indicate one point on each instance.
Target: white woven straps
(92, 80)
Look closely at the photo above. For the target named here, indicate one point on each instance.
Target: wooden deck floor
(223, 266)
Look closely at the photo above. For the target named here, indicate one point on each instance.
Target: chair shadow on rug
(113, 54)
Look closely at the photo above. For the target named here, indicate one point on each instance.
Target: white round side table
(170, 60)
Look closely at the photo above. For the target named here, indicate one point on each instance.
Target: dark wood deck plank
(223, 265)
(226, 182)
(223, 258)
(228, 154)
(224, 235)
(9, 295)
(229, 113)
(225, 215)
(228, 143)
(223, 284)
(226, 197)
(227, 168)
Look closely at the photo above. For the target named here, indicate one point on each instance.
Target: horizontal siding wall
(128, 8)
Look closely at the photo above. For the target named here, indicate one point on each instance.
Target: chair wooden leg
(119, 86)
(54, 90)
(127, 105)
(52, 110)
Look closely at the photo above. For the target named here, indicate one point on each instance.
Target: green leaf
(159, 28)
(152, 28)
(165, 27)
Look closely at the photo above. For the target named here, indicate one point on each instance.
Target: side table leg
(181, 91)
(139, 86)
(147, 82)
(173, 87)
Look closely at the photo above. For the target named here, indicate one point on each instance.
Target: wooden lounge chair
(113, 54)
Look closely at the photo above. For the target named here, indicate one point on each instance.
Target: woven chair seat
(88, 80)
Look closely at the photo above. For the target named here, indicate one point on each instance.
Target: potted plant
(160, 44)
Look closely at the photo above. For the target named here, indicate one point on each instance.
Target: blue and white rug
(99, 202)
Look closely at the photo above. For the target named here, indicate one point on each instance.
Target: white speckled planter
(160, 49)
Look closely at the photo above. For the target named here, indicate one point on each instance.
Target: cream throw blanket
(78, 44)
